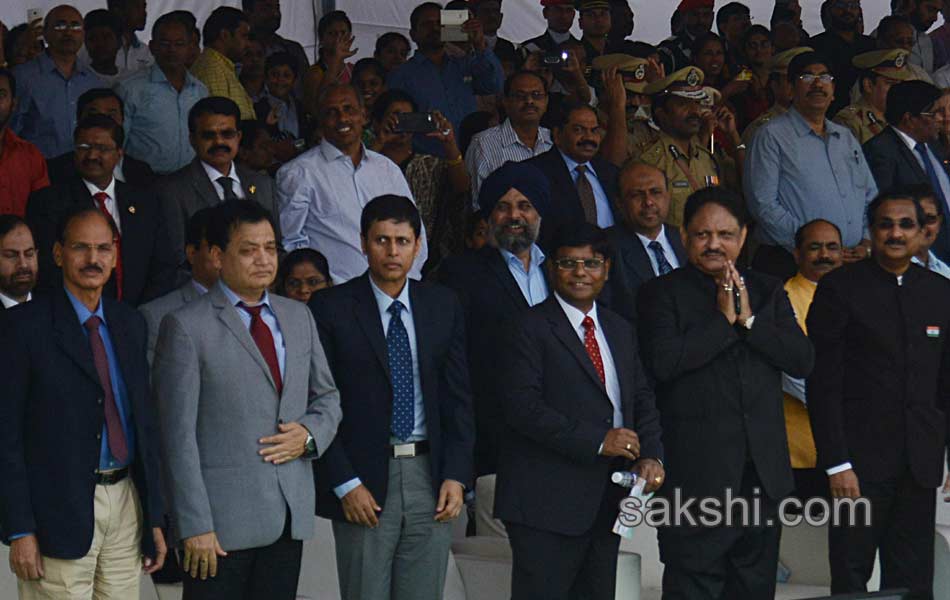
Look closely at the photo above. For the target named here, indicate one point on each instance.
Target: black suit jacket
(352, 335)
(491, 298)
(719, 386)
(879, 396)
(895, 165)
(630, 267)
(557, 413)
(51, 420)
(565, 203)
(148, 263)
(63, 168)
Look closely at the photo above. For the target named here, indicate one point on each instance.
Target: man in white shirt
(18, 264)
(321, 193)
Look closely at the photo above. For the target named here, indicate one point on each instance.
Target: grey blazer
(187, 190)
(215, 398)
(156, 310)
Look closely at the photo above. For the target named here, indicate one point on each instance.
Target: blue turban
(527, 179)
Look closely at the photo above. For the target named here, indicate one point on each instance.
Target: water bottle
(625, 479)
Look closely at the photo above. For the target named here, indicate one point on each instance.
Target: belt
(409, 450)
(111, 477)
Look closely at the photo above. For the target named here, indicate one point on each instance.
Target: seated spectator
(279, 109)
(933, 226)
(256, 150)
(213, 176)
(335, 39)
(51, 83)
(519, 137)
(439, 186)
(101, 101)
(145, 262)
(253, 75)
(22, 168)
(438, 81)
(159, 98)
(392, 50)
(369, 77)
(225, 36)
(301, 273)
(265, 19)
(322, 192)
(18, 265)
(103, 34)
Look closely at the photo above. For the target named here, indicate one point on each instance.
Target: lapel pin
(132, 210)
(252, 189)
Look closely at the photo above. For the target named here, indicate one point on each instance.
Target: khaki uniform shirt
(861, 120)
(704, 171)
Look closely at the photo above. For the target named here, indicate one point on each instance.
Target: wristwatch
(748, 322)
(310, 447)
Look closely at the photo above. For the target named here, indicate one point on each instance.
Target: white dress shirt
(214, 175)
(110, 201)
(667, 250)
(9, 302)
(611, 382)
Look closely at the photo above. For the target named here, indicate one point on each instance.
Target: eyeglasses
(60, 27)
(100, 148)
(208, 136)
(524, 97)
(810, 78)
(296, 284)
(927, 115)
(907, 224)
(569, 264)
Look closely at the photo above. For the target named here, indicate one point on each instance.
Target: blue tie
(662, 265)
(400, 369)
(932, 175)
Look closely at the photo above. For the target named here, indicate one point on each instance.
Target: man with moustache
(806, 167)
(81, 504)
(22, 167)
(18, 265)
(839, 44)
(716, 341)
(643, 246)
(878, 401)
(496, 284)
(594, 23)
(933, 224)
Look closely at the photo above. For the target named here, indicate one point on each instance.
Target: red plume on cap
(688, 5)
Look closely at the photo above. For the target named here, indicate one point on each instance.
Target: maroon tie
(100, 198)
(264, 339)
(117, 444)
(593, 349)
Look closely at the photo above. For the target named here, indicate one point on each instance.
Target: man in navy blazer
(394, 476)
(80, 502)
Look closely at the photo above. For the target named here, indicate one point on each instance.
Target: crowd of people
(241, 288)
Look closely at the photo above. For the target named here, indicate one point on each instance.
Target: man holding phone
(438, 81)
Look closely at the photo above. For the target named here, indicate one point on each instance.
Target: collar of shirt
(908, 141)
(575, 316)
(109, 190)
(560, 38)
(9, 302)
(537, 258)
(156, 75)
(83, 313)
(214, 174)
(47, 65)
(573, 164)
(217, 56)
(802, 128)
(202, 290)
(331, 153)
(661, 237)
(664, 243)
(234, 299)
(509, 137)
(801, 280)
(384, 300)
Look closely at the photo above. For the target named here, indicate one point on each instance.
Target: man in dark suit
(643, 246)
(496, 284)
(213, 176)
(905, 153)
(101, 101)
(879, 400)
(393, 479)
(578, 406)
(145, 267)
(717, 343)
(583, 185)
(80, 503)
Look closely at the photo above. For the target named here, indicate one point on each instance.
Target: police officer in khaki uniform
(637, 125)
(781, 90)
(880, 70)
(678, 151)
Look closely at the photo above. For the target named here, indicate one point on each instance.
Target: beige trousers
(112, 568)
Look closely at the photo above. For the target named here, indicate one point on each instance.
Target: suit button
(608, 421)
(99, 436)
(100, 400)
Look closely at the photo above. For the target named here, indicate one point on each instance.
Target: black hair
(386, 99)
(562, 115)
(196, 229)
(909, 97)
(730, 10)
(640, 50)
(230, 215)
(697, 45)
(801, 62)
(102, 18)
(334, 16)
(523, 73)
(223, 18)
(471, 223)
(212, 105)
(333, 87)
(388, 38)
(298, 257)
(580, 234)
(278, 59)
(10, 79)
(368, 64)
(781, 14)
(173, 18)
(756, 30)
(80, 211)
(250, 130)
(922, 191)
(719, 196)
(90, 96)
(9, 222)
(800, 234)
(417, 11)
(102, 122)
(390, 207)
(890, 196)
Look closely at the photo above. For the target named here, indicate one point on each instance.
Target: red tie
(117, 444)
(100, 198)
(264, 339)
(593, 349)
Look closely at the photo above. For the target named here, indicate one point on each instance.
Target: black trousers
(775, 260)
(723, 563)
(902, 528)
(269, 572)
(552, 566)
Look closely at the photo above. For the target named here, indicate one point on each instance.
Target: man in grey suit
(213, 176)
(204, 274)
(245, 401)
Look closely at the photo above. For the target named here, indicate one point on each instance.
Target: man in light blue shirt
(157, 100)
(802, 167)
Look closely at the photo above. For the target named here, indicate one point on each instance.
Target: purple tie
(117, 444)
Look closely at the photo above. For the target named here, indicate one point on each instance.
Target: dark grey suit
(156, 310)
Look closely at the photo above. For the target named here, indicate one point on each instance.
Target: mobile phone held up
(556, 59)
(414, 123)
(452, 21)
